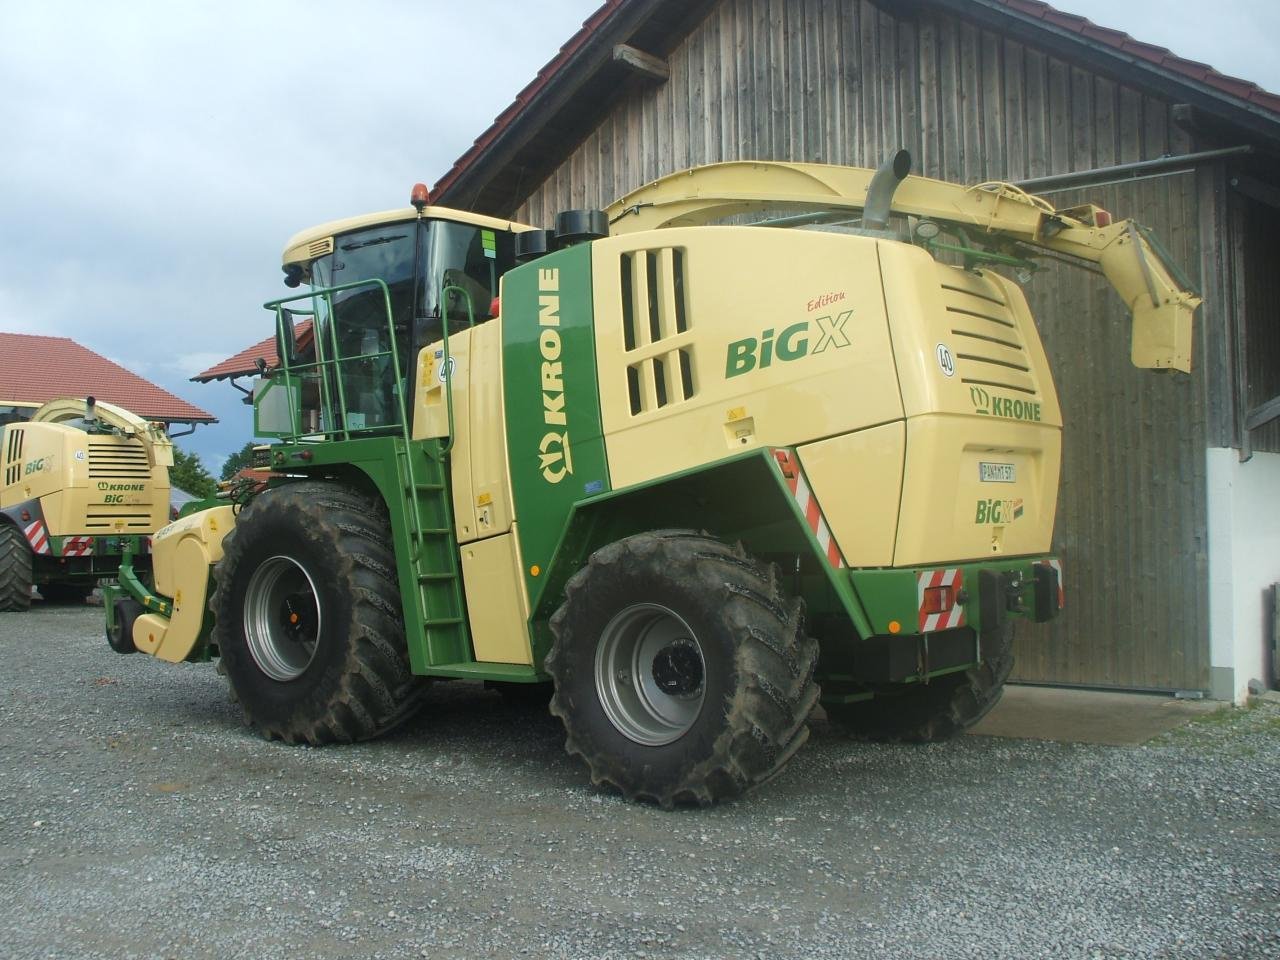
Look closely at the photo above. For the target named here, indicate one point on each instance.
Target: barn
(1166, 519)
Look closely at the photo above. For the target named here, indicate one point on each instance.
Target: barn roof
(34, 369)
(245, 363)
(576, 88)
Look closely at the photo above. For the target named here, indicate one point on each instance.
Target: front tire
(682, 672)
(939, 710)
(15, 569)
(308, 620)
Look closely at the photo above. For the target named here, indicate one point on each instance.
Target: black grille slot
(686, 374)
(655, 323)
(660, 380)
(628, 303)
(677, 279)
(633, 390)
(13, 455)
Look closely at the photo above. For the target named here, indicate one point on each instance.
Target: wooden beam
(1257, 190)
(645, 64)
(1263, 414)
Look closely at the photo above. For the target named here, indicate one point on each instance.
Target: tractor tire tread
(765, 720)
(16, 569)
(376, 689)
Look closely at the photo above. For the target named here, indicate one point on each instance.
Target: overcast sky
(154, 156)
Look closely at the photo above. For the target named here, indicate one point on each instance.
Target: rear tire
(938, 710)
(682, 672)
(308, 620)
(15, 569)
(63, 592)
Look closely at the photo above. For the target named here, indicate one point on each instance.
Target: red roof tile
(245, 362)
(34, 369)
(1116, 39)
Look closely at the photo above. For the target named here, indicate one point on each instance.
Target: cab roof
(316, 241)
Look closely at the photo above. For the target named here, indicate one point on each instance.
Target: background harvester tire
(15, 569)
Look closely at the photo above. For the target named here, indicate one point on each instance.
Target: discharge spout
(875, 215)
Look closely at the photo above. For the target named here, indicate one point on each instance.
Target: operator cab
(382, 287)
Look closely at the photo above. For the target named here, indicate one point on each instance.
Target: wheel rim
(650, 674)
(281, 618)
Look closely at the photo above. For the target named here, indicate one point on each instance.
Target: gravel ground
(138, 818)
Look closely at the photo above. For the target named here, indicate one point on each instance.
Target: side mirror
(286, 336)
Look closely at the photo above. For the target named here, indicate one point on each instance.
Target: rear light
(495, 307)
(1102, 219)
(938, 600)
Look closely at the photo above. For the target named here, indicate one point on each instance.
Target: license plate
(996, 473)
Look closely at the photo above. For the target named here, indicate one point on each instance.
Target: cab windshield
(435, 271)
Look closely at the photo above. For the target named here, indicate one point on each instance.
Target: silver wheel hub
(281, 618)
(650, 674)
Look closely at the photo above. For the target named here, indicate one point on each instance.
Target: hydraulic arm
(1161, 306)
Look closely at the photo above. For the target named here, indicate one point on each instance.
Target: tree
(238, 461)
(189, 474)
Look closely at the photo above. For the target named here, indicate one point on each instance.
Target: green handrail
(445, 365)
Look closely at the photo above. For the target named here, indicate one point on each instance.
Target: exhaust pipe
(875, 215)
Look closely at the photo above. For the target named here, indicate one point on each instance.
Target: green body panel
(742, 498)
(892, 595)
(556, 447)
(103, 561)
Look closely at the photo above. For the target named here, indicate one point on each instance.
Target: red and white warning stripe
(77, 546)
(954, 617)
(37, 536)
(1062, 593)
(808, 504)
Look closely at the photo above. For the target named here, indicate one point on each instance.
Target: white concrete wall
(1244, 561)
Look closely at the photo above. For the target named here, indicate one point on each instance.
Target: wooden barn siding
(838, 81)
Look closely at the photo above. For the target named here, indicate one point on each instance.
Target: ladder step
(425, 577)
(428, 486)
(448, 622)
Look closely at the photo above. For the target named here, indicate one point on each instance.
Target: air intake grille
(990, 351)
(655, 329)
(13, 455)
(318, 248)
(109, 460)
(115, 518)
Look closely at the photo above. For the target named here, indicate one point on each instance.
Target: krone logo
(555, 459)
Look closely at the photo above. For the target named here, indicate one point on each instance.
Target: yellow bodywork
(896, 378)
(480, 485)
(88, 483)
(183, 553)
(1162, 310)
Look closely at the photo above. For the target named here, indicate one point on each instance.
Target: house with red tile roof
(262, 355)
(35, 369)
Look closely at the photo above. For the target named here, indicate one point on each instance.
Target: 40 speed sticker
(946, 360)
